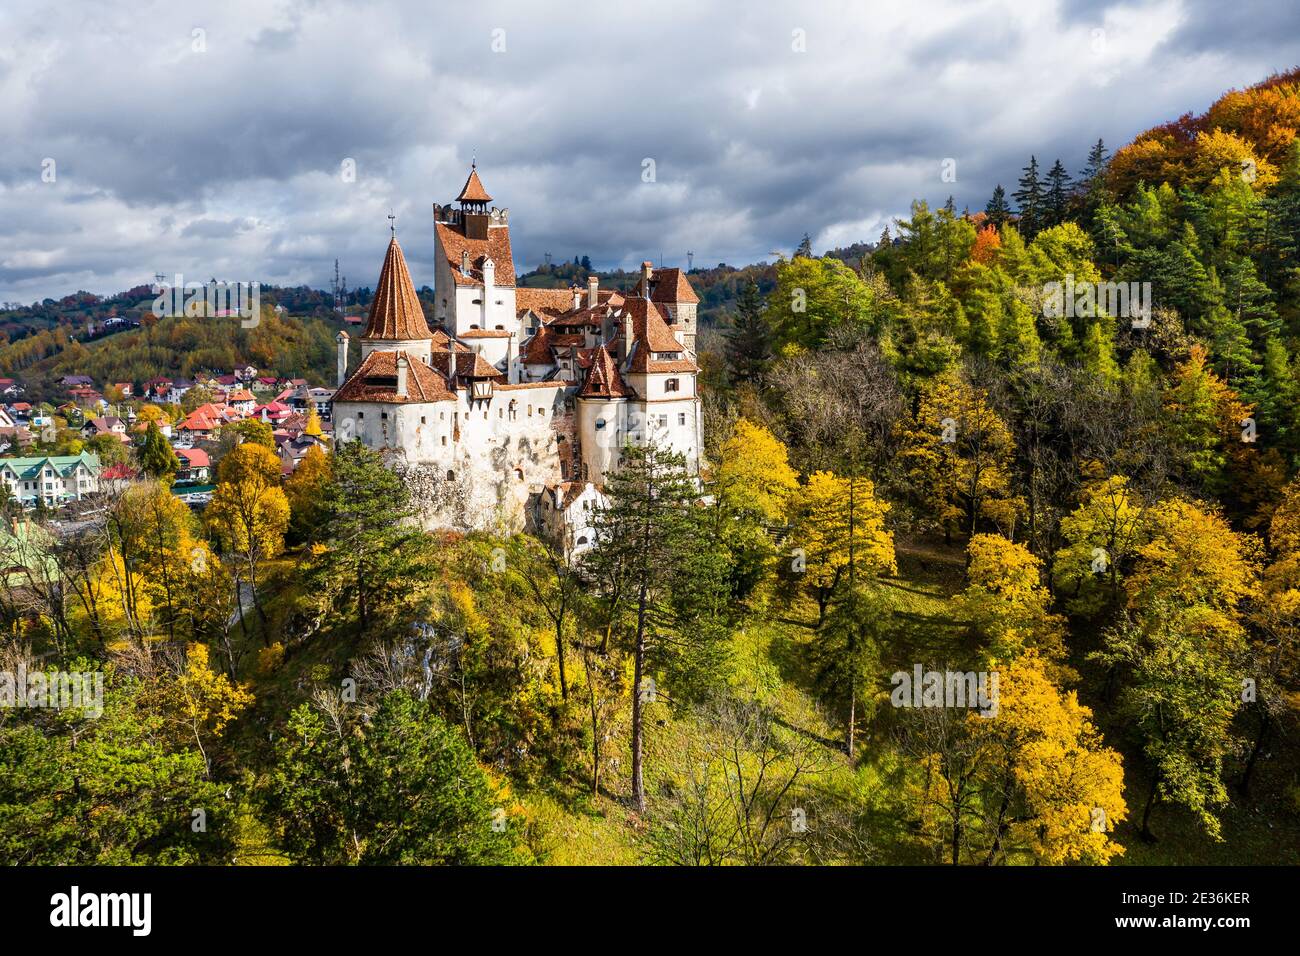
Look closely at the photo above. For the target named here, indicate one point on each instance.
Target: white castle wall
(470, 465)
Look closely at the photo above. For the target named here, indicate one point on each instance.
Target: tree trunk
(559, 657)
(595, 723)
(1146, 814)
(638, 781)
(1265, 724)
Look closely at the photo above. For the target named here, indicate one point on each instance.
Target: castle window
(582, 540)
(500, 328)
(383, 415)
(672, 385)
(423, 420)
(600, 424)
(541, 411)
(451, 475)
(444, 441)
(663, 421)
(519, 473)
(681, 418)
(361, 414)
(501, 413)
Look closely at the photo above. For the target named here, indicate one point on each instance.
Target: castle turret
(396, 317)
(342, 339)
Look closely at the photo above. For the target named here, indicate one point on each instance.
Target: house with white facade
(55, 480)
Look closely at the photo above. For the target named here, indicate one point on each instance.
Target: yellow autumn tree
(249, 512)
(1102, 535)
(1275, 638)
(1058, 791)
(1192, 559)
(304, 490)
(840, 525)
(754, 473)
(1005, 601)
(202, 702)
(312, 427)
(957, 454)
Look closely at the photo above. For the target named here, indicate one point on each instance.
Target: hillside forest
(1050, 445)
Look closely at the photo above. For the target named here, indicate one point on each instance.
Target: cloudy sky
(213, 139)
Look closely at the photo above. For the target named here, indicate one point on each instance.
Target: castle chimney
(402, 366)
(646, 272)
(342, 339)
(593, 284)
(464, 262)
(625, 348)
(489, 280)
(577, 296)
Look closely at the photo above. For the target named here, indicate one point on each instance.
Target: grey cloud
(227, 162)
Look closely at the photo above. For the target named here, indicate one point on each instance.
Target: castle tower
(474, 277)
(396, 319)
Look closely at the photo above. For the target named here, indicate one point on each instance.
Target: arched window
(451, 475)
(582, 540)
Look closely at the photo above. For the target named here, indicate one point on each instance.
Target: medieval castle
(511, 412)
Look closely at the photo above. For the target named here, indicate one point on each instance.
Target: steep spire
(395, 312)
(473, 191)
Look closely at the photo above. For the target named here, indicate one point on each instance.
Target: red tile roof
(496, 245)
(544, 301)
(442, 342)
(468, 365)
(670, 285)
(195, 457)
(473, 191)
(603, 378)
(375, 380)
(396, 313)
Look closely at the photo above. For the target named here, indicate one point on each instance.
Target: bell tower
(474, 201)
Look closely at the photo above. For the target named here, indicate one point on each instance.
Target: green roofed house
(54, 479)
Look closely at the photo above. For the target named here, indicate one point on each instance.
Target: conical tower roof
(395, 312)
(473, 191)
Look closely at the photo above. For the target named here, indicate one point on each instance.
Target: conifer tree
(997, 210)
(749, 342)
(1031, 199)
(651, 531)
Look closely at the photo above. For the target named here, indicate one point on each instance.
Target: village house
(195, 465)
(105, 425)
(52, 480)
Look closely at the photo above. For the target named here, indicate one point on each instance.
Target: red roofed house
(195, 464)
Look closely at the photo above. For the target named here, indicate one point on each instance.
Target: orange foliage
(987, 244)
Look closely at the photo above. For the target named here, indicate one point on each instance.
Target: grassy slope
(569, 827)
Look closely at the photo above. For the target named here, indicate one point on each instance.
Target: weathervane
(392, 224)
